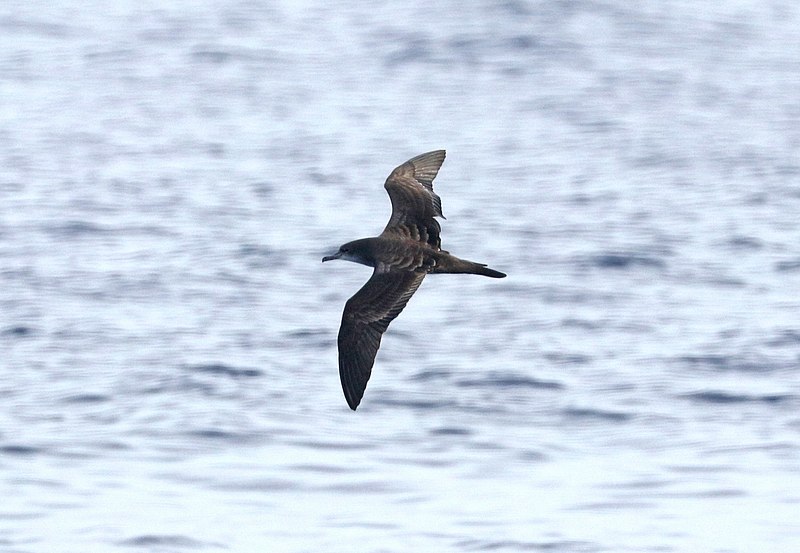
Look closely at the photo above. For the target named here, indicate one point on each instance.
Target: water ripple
(19, 331)
(597, 414)
(719, 397)
(157, 542)
(498, 380)
(225, 370)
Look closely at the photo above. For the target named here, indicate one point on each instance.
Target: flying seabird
(408, 249)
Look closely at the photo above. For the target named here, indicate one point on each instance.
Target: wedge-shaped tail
(446, 263)
(482, 269)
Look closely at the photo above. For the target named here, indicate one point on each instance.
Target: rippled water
(170, 177)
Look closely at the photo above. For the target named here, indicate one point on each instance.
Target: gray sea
(171, 174)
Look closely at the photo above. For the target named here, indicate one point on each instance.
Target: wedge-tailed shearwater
(408, 249)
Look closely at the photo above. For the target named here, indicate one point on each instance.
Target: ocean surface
(171, 174)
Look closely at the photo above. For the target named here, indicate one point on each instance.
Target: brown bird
(408, 249)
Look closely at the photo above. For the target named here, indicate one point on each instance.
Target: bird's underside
(408, 249)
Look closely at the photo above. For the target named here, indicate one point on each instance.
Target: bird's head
(352, 251)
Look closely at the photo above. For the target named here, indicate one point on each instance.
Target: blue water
(170, 177)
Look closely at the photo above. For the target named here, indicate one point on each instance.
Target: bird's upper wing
(366, 316)
(414, 203)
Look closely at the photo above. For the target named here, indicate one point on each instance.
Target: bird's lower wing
(366, 316)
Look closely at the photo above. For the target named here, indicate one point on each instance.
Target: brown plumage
(408, 249)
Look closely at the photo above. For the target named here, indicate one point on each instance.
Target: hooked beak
(337, 255)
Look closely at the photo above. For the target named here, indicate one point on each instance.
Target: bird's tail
(481, 269)
(452, 264)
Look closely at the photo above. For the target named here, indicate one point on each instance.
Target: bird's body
(391, 254)
(408, 249)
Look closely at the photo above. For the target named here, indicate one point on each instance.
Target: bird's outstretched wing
(414, 203)
(366, 316)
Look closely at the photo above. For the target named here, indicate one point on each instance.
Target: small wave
(568, 358)
(87, 398)
(598, 414)
(711, 494)
(319, 468)
(428, 375)
(259, 256)
(19, 331)
(72, 229)
(509, 381)
(316, 338)
(787, 266)
(450, 431)
(264, 485)
(745, 243)
(614, 260)
(411, 49)
(785, 338)
(712, 361)
(220, 436)
(582, 324)
(718, 397)
(225, 370)
(156, 541)
(20, 450)
(612, 506)
(722, 362)
(418, 405)
(212, 56)
(36, 27)
(515, 545)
